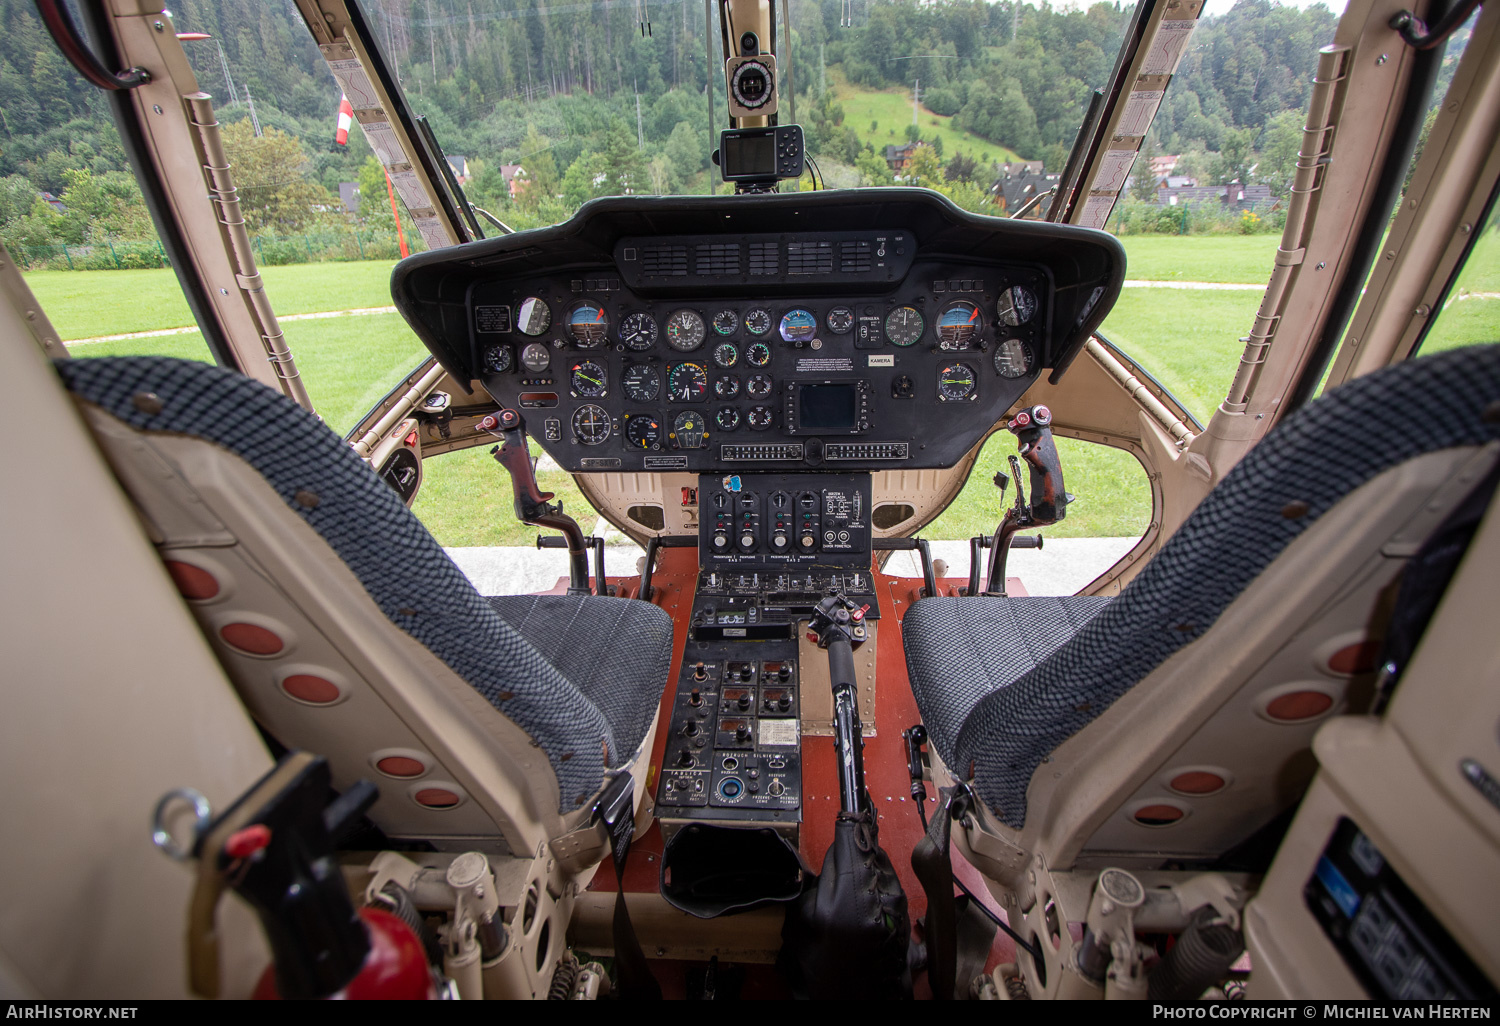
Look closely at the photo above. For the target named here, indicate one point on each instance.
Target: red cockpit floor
(885, 753)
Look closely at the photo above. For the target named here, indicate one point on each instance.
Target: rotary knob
(684, 758)
(778, 541)
(783, 703)
(742, 733)
(808, 541)
(720, 540)
(747, 540)
(691, 730)
(744, 702)
(785, 673)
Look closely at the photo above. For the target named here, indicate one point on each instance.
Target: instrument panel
(863, 336)
(609, 379)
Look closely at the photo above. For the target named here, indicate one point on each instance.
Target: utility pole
(916, 93)
(640, 138)
(224, 63)
(1015, 19)
(254, 121)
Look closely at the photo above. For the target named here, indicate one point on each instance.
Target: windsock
(346, 118)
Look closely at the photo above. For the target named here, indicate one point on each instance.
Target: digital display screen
(827, 407)
(752, 155)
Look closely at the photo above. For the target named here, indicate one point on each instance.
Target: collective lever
(531, 503)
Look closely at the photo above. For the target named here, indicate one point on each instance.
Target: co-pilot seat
(1174, 719)
(486, 722)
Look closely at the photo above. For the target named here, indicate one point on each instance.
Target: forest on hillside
(589, 103)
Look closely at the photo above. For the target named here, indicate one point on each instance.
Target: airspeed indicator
(903, 326)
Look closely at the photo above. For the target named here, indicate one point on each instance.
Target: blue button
(731, 787)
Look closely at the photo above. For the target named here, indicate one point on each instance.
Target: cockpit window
(1470, 314)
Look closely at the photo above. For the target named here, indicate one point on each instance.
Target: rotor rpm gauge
(638, 331)
(726, 355)
(956, 383)
(591, 424)
(533, 316)
(758, 321)
(687, 383)
(641, 382)
(726, 321)
(498, 359)
(1013, 358)
(839, 320)
(588, 379)
(642, 431)
(1016, 305)
(685, 330)
(689, 430)
(958, 326)
(588, 325)
(903, 326)
(797, 325)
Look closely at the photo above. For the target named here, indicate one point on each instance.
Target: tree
(1278, 155)
(273, 178)
(684, 153)
(924, 170)
(1235, 157)
(872, 168)
(541, 182)
(961, 168)
(912, 133)
(1143, 182)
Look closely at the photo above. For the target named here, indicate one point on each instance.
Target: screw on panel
(158, 26)
(1382, 59)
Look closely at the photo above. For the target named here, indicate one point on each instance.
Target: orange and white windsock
(346, 118)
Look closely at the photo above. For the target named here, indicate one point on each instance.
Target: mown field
(1187, 338)
(891, 110)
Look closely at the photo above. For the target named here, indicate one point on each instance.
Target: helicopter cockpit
(1255, 756)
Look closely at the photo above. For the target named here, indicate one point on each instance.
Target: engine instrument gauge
(903, 326)
(1016, 305)
(728, 418)
(726, 355)
(498, 359)
(687, 382)
(759, 418)
(1013, 358)
(591, 424)
(725, 321)
(798, 324)
(588, 325)
(642, 431)
(958, 326)
(758, 355)
(689, 430)
(685, 330)
(759, 386)
(839, 320)
(956, 382)
(758, 321)
(727, 387)
(533, 316)
(638, 331)
(589, 379)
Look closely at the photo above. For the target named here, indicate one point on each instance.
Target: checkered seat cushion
(581, 675)
(999, 689)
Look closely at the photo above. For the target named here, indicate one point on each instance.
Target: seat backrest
(1263, 507)
(345, 626)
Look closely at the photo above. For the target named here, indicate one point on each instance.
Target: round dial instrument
(1016, 305)
(725, 321)
(727, 387)
(533, 316)
(798, 324)
(1013, 358)
(759, 386)
(588, 379)
(758, 321)
(958, 326)
(728, 418)
(687, 383)
(758, 355)
(685, 330)
(689, 430)
(498, 359)
(588, 325)
(839, 320)
(638, 331)
(641, 382)
(726, 355)
(955, 382)
(759, 418)
(536, 357)
(903, 325)
(591, 424)
(642, 431)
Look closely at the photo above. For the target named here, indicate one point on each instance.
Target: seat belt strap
(932, 862)
(616, 807)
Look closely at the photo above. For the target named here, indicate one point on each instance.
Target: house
(349, 195)
(1019, 168)
(1234, 196)
(460, 166)
(1019, 183)
(1162, 166)
(898, 157)
(515, 179)
(53, 202)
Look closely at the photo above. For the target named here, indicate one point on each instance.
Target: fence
(270, 250)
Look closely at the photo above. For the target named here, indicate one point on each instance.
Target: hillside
(880, 118)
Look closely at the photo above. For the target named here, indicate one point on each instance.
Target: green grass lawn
(891, 109)
(87, 304)
(1245, 259)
